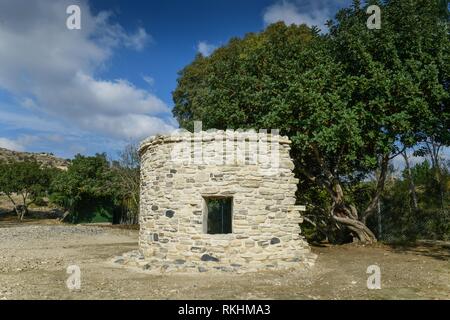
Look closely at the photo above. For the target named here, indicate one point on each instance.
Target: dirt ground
(34, 258)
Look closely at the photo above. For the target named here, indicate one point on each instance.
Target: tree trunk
(65, 215)
(15, 206)
(23, 212)
(434, 150)
(18, 213)
(412, 186)
(379, 219)
(359, 230)
(381, 179)
(347, 216)
(24, 206)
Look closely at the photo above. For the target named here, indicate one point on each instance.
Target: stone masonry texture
(174, 185)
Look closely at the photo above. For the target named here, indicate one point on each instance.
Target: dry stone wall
(180, 172)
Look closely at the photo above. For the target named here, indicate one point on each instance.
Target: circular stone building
(219, 200)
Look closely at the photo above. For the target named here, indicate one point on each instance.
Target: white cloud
(28, 103)
(119, 125)
(399, 162)
(54, 71)
(85, 96)
(205, 48)
(18, 144)
(138, 40)
(150, 81)
(12, 120)
(112, 35)
(10, 144)
(315, 13)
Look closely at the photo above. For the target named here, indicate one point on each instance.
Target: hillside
(43, 158)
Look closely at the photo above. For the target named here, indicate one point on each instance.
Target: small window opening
(218, 214)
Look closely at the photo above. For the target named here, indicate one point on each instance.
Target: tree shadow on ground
(319, 244)
(439, 250)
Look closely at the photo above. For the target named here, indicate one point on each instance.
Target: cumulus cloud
(85, 96)
(205, 48)
(138, 40)
(15, 121)
(119, 125)
(314, 13)
(18, 144)
(112, 34)
(54, 71)
(10, 144)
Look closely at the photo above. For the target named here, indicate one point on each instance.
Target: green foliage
(87, 189)
(346, 99)
(95, 190)
(401, 222)
(318, 225)
(352, 94)
(401, 72)
(27, 179)
(127, 170)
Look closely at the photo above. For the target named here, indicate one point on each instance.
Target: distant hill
(47, 159)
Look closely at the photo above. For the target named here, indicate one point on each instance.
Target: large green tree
(349, 100)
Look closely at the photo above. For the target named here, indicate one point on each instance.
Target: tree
(412, 186)
(88, 188)
(347, 99)
(428, 220)
(433, 148)
(127, 170)
(26, 179)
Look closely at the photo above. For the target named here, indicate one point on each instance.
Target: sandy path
(34, 258)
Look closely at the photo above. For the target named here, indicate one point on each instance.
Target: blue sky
(98, 88)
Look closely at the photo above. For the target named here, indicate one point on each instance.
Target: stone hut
(219, 200)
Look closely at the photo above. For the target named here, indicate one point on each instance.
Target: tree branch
(379, 188)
